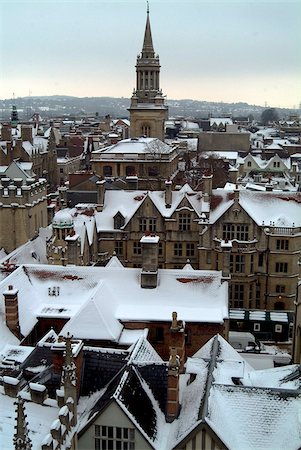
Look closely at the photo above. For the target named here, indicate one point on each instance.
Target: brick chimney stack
(12, 310)
(226, 247)
(100, 194)
(173, 403)
(149, 273)
(168, 194)
(207, 184)
(6, 134)
(177, 339)
(26, 133)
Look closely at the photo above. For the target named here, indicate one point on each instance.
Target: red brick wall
(198, 335)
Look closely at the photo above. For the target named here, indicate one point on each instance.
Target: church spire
(148, 48)
(21, 439)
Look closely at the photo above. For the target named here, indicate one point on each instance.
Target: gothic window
(237, 295)
(237, 263)
(242, 232)
(184, 222)
(281, 267)
(280, 288)
(239, 232)
(178, 249)
(137, 248)
(114, 438)
(142, 224)
(119, 248)
(282, 244)
(152, 223)
(228, 231)
(190, 249)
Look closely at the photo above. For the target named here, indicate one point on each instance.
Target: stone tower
(148, 111)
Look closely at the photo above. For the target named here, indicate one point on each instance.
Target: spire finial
(21, 439)
(147, 7)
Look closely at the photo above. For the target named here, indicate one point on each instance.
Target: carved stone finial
(21, 439)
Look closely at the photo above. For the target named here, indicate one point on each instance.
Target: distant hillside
(63, 105)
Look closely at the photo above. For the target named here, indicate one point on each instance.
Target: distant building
(148, 111)
(23, 207)
(146, 162)
(214, 141)
(259, 229)
(23, 145)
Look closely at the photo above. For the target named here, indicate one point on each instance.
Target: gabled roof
(257, 413)
(75, 291)
(283, 209)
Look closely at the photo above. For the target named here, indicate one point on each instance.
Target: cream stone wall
(22, 213)
(112, 416)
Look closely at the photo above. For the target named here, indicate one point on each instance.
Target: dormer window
(119, 221)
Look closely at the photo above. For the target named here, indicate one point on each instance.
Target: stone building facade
(213, 230)
(143, 162)
(23, 210)
(21, 144)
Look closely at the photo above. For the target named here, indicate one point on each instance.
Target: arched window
(107, 171)
(146, 130)
(130, 171)
(153, 171)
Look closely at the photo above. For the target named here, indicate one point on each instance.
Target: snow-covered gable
(132, 200)
(282, 209)
(254, 415)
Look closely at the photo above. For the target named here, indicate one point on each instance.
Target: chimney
(149, 274)
(100, 194)
(236, 193)
(6, 132)
(38, 392)
(177, 339)
(168, 194)
(226, 247)
(207, 184)
(26, 133)
(62, 197)
(233, 173)
(12, 310)
(11, 386)
(173, 404)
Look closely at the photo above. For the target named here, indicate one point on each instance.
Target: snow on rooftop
(93, 294)
(137, 146)
(40, 418)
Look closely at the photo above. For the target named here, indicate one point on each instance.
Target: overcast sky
(209, 50)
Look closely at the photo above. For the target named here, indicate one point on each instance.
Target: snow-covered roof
(282, 209)
(91, 296)
(128, 202)
(39, 417)
(137, 146)
(220, 121)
